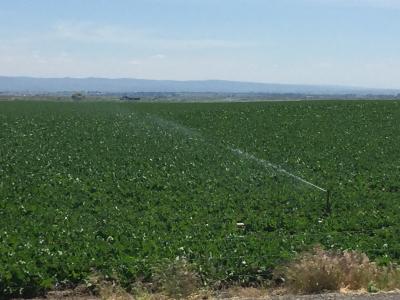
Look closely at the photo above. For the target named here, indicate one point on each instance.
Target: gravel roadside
(333, 296)
(379, 296)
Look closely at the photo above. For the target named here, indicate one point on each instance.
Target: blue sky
(344, 42)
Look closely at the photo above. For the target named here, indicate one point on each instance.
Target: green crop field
(117, 188)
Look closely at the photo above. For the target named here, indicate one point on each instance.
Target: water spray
(191, 132)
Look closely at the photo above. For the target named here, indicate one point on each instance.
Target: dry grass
(171, 280)
(312, 272)
(319, 270)
(106, 289)
(177, 279)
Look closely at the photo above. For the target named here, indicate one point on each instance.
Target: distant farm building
(128, 98)
(77, 96)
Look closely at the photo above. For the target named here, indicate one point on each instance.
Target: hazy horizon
(307, 42)
(194, 80)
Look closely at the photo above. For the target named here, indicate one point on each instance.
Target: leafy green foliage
(119, 187)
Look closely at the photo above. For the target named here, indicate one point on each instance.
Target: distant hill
(126, 85)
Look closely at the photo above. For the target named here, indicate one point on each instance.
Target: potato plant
(117, 188)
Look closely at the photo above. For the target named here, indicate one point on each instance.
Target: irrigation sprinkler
(328, 208)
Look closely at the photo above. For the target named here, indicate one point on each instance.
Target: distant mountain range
(126, 85)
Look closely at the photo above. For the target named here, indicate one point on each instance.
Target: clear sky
(345, 42)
